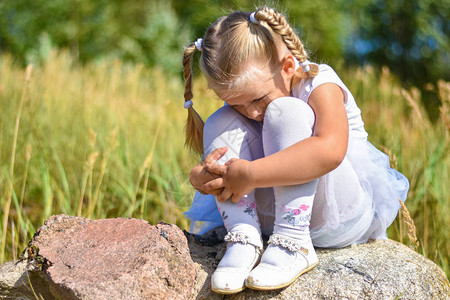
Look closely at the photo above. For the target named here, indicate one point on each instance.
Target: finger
(236, 198)
(208, 175)
(216, 192)
(199, 189)
(215, 155)
(194, 174)
(215, 168)
(226, 194)
(202, 192)
(230, 161)
(213, 185)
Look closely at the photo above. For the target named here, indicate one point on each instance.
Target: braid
(279, 25)
(187, 71)
(194, 123)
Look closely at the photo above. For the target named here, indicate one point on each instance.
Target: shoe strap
(239, 237)
(291, 244)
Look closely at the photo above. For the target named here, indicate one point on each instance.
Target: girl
(288, 155)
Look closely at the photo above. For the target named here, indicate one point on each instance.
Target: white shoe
(268, 276)
(230, 280)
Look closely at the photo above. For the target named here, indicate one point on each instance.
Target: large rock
(105, 259)
(77, 258)
(381, 269)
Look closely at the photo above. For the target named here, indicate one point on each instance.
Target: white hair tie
(305, 66)
(253, 19)
(198, 44)
(188, 104)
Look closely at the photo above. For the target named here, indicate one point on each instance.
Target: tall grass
(397, 122)
(106, 140)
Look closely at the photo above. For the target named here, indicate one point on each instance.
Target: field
(107, 140)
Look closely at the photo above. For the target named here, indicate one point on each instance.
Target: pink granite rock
(115, 259)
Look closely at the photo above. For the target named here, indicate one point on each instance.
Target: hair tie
(198, 44)
(253, 19)
(305, 66)
(188, 104)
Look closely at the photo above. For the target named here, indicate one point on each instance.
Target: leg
(226, 127)
(290, 252)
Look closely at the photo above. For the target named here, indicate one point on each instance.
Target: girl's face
(263, 89)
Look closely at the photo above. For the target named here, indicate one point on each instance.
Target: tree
(411, 37)
(147, 32)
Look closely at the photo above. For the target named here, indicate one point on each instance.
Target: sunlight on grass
(107, 140)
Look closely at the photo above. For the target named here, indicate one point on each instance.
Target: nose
(252, 112)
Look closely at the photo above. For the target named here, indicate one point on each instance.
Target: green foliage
(147, 32)
(321, 25)
(411, 37)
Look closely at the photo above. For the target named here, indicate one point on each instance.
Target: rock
(14, 282)
(111, 259)
(381, 269)
(131, 259)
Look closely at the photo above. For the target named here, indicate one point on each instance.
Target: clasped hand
(232, 180)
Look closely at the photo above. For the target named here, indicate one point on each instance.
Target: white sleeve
(326, 75)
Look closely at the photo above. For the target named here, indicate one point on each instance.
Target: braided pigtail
(279, 25)
(194, 123)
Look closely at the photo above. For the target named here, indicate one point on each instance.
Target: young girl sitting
(286, 156)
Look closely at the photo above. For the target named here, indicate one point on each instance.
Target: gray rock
(77, 258)
(15, 282)
(380, 269)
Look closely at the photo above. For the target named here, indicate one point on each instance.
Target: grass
(106, 140)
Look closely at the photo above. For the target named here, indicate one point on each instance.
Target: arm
(312, 157)
(302, 162)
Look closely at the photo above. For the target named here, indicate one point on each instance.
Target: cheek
(264, 104)
(241, 110)
(251, 111)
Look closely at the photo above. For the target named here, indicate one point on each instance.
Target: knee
(289, 112)
(227, 126)
(218, 122)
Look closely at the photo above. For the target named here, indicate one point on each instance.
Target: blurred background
(411, 37)
(95, 127)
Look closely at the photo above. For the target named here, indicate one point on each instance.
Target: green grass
(107, 140)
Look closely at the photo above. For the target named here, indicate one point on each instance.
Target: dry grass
(406, 218)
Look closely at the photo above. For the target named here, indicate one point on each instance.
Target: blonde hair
(229, 45)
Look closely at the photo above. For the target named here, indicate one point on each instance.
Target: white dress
(355, 202)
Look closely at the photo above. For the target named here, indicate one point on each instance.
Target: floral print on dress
(223, 214)
(293, 215)
(250, 207)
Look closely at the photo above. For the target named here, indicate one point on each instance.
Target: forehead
(250, 82)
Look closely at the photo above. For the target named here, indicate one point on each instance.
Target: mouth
(261, 116)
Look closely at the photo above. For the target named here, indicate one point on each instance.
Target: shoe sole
(248, 283)
(227, 292)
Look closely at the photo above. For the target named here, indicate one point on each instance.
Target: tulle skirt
(355, 202)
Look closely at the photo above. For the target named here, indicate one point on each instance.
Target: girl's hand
(236, 179)
(199, 176)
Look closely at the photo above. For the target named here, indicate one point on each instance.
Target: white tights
(287, 121)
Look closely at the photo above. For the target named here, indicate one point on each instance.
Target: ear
(288, 66)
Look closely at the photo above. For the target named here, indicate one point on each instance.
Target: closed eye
(259, 99)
